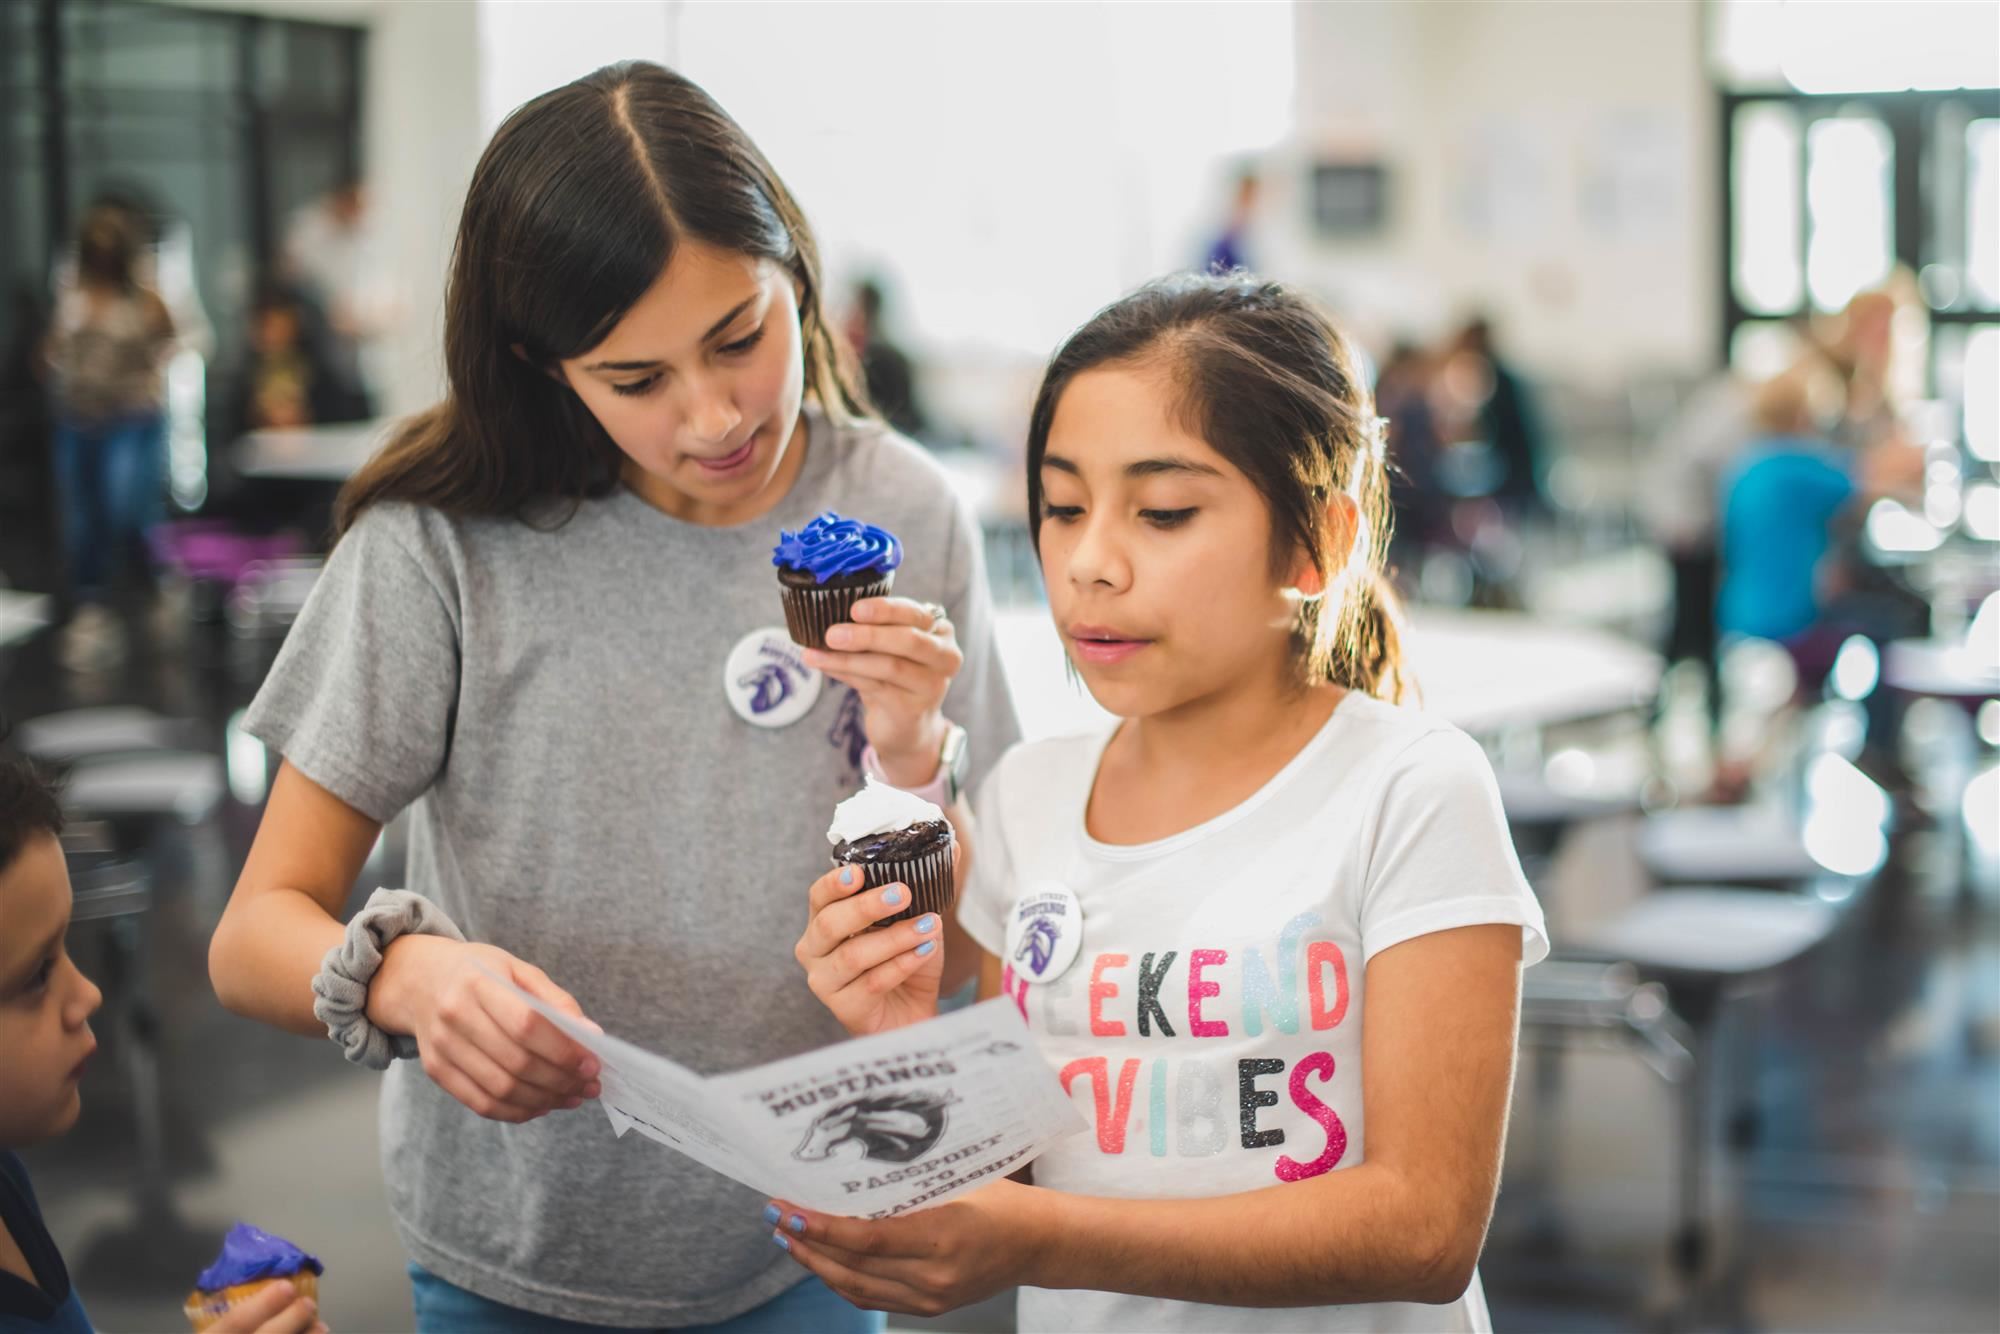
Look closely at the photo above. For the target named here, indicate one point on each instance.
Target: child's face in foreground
(700, 384)
(45, 1003)
(1156, 551)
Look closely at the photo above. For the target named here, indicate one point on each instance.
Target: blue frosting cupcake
(828, 566)
(250, 1258)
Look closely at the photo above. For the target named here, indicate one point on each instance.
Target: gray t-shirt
(585, 798)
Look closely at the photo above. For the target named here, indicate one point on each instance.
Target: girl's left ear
(1343, 523)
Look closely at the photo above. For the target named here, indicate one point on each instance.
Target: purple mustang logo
(892, 1127)
(847, 730)
(1038, 946)
(772, 682)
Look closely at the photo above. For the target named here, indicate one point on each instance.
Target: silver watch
(953, 758)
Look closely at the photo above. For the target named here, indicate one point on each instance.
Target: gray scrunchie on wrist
(341, 985)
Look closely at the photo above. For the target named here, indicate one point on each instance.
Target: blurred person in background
(288, 380)
(1228, 250)
(886, 370)
(334, 257)
(164, 262)
(1403, 390)
(107, 345)
(1680, 501)
(1872, 345)
(1786, 574)
(1485, 386)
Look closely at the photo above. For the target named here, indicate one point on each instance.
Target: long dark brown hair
(1266, 379)
(574, 210)
(107, 250)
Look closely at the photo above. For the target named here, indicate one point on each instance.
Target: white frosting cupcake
(878, 809)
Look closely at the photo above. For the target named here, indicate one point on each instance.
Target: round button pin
(767, 681)
(1044, 932)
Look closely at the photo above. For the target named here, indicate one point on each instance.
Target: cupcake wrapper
(811, 612)
(933, 888)
(205, 1308)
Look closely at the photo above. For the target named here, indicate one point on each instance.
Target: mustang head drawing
(772, 683)
(889, 1127)
(1038, 944)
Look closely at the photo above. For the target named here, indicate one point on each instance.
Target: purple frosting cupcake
(828, 566)
(251, 1257)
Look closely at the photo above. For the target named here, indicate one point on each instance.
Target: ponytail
(1357, 642)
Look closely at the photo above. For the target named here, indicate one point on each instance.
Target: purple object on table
(204, 549)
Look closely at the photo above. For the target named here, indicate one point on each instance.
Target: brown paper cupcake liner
(932, 886)
(811, 612)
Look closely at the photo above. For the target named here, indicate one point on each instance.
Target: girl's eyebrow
(1171, 464)
(714, 332)
(1168, 465)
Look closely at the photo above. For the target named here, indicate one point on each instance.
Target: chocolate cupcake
(896, 837)
(828, 566)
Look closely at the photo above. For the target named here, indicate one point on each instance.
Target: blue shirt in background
(49, 1304)
(1777, 511)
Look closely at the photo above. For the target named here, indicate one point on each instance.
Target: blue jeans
(109, 475)
(446, 1308)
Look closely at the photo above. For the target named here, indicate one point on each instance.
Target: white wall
(422, 122)
(527, 47)
(1009, 166)
(1553, 164)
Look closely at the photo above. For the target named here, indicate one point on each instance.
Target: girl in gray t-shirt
(533, 634)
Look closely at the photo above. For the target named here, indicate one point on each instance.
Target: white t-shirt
(1209, 1028)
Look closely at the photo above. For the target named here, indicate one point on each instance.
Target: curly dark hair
(29, 805)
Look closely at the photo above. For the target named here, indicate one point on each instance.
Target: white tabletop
(312, 453)
(1941, 668)
(22, 615)
(1489, 670)
(1483, 671)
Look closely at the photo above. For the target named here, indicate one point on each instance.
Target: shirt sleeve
(1440, 856)
(979, 700)
(982, 909)
(362, 695)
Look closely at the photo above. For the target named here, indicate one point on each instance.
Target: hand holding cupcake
(873, 946)
(896, 837)
(259, 1282)
(900, 656)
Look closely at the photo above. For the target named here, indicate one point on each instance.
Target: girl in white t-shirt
(1268, 929)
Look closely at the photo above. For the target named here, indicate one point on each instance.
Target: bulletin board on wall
(1349, 199)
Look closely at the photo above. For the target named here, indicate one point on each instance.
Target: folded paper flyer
(868, 1128)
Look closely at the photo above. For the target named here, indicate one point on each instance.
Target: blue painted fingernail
(772, 1214)
(847, 876)
(784, 1242)
(927, 947)
(928, 922)
(798, 1223)
(892, 896)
